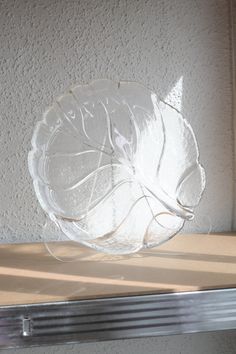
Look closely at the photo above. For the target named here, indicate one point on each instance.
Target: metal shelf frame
(117, 318)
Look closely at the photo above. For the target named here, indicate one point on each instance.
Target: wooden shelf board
(29, 274)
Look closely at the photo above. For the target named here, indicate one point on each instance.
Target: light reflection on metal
(116, 318)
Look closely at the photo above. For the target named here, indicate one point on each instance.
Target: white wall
(204, 343)
(233, 24)
(46, 46)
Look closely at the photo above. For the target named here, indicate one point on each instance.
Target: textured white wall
(204, 343)
(233, 24)
(45, 46)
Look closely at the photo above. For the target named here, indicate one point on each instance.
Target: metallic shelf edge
(117, 318)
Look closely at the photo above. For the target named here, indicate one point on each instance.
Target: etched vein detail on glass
(116, 168)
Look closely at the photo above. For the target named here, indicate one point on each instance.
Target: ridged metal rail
(116, 318)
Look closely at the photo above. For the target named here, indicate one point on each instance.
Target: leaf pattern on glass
(115, 167)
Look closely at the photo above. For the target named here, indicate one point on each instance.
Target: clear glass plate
(116, 168)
